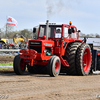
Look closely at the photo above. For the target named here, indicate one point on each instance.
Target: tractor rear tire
(37, 69)
(70, 56)
(33, 69)
(54, 66)
(83, 60)
(19, 65)
(30, 69)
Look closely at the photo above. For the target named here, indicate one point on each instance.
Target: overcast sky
(84, 14)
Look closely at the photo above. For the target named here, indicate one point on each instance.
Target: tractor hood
(44, 48)
(40, 45)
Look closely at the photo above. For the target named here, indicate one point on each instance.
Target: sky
(84, 14)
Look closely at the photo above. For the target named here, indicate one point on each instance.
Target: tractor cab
(54, 31)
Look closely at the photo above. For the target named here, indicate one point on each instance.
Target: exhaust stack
(47, 25)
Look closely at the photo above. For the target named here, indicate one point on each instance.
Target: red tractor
(56, 49)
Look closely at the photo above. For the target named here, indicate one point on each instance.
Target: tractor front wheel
(19, 65)
(54, 66)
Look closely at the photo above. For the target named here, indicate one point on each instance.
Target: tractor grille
(35, 43)
(38, 49)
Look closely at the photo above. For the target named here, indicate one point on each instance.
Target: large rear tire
(30, 69)
(37, 69)
(70, 56)
(54, 66)
(33, 69)
(19, 65)
(83, 60)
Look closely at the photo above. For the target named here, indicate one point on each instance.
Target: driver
(58, 31)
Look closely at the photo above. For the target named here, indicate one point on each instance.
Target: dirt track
(43, 87)
(6, 59)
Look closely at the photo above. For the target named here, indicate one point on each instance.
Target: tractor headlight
(45, 51)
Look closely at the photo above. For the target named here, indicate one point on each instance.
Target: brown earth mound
(6, 59)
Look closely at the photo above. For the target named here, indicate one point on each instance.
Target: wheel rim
(57, 66)
(86, 60)
(22, 64)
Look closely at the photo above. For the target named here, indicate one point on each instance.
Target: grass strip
(5, 68)
(6, 64)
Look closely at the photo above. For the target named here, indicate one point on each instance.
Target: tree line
(7, 32)
(91, 35)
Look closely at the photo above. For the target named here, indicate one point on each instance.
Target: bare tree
(7, 29)
(97, 35)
